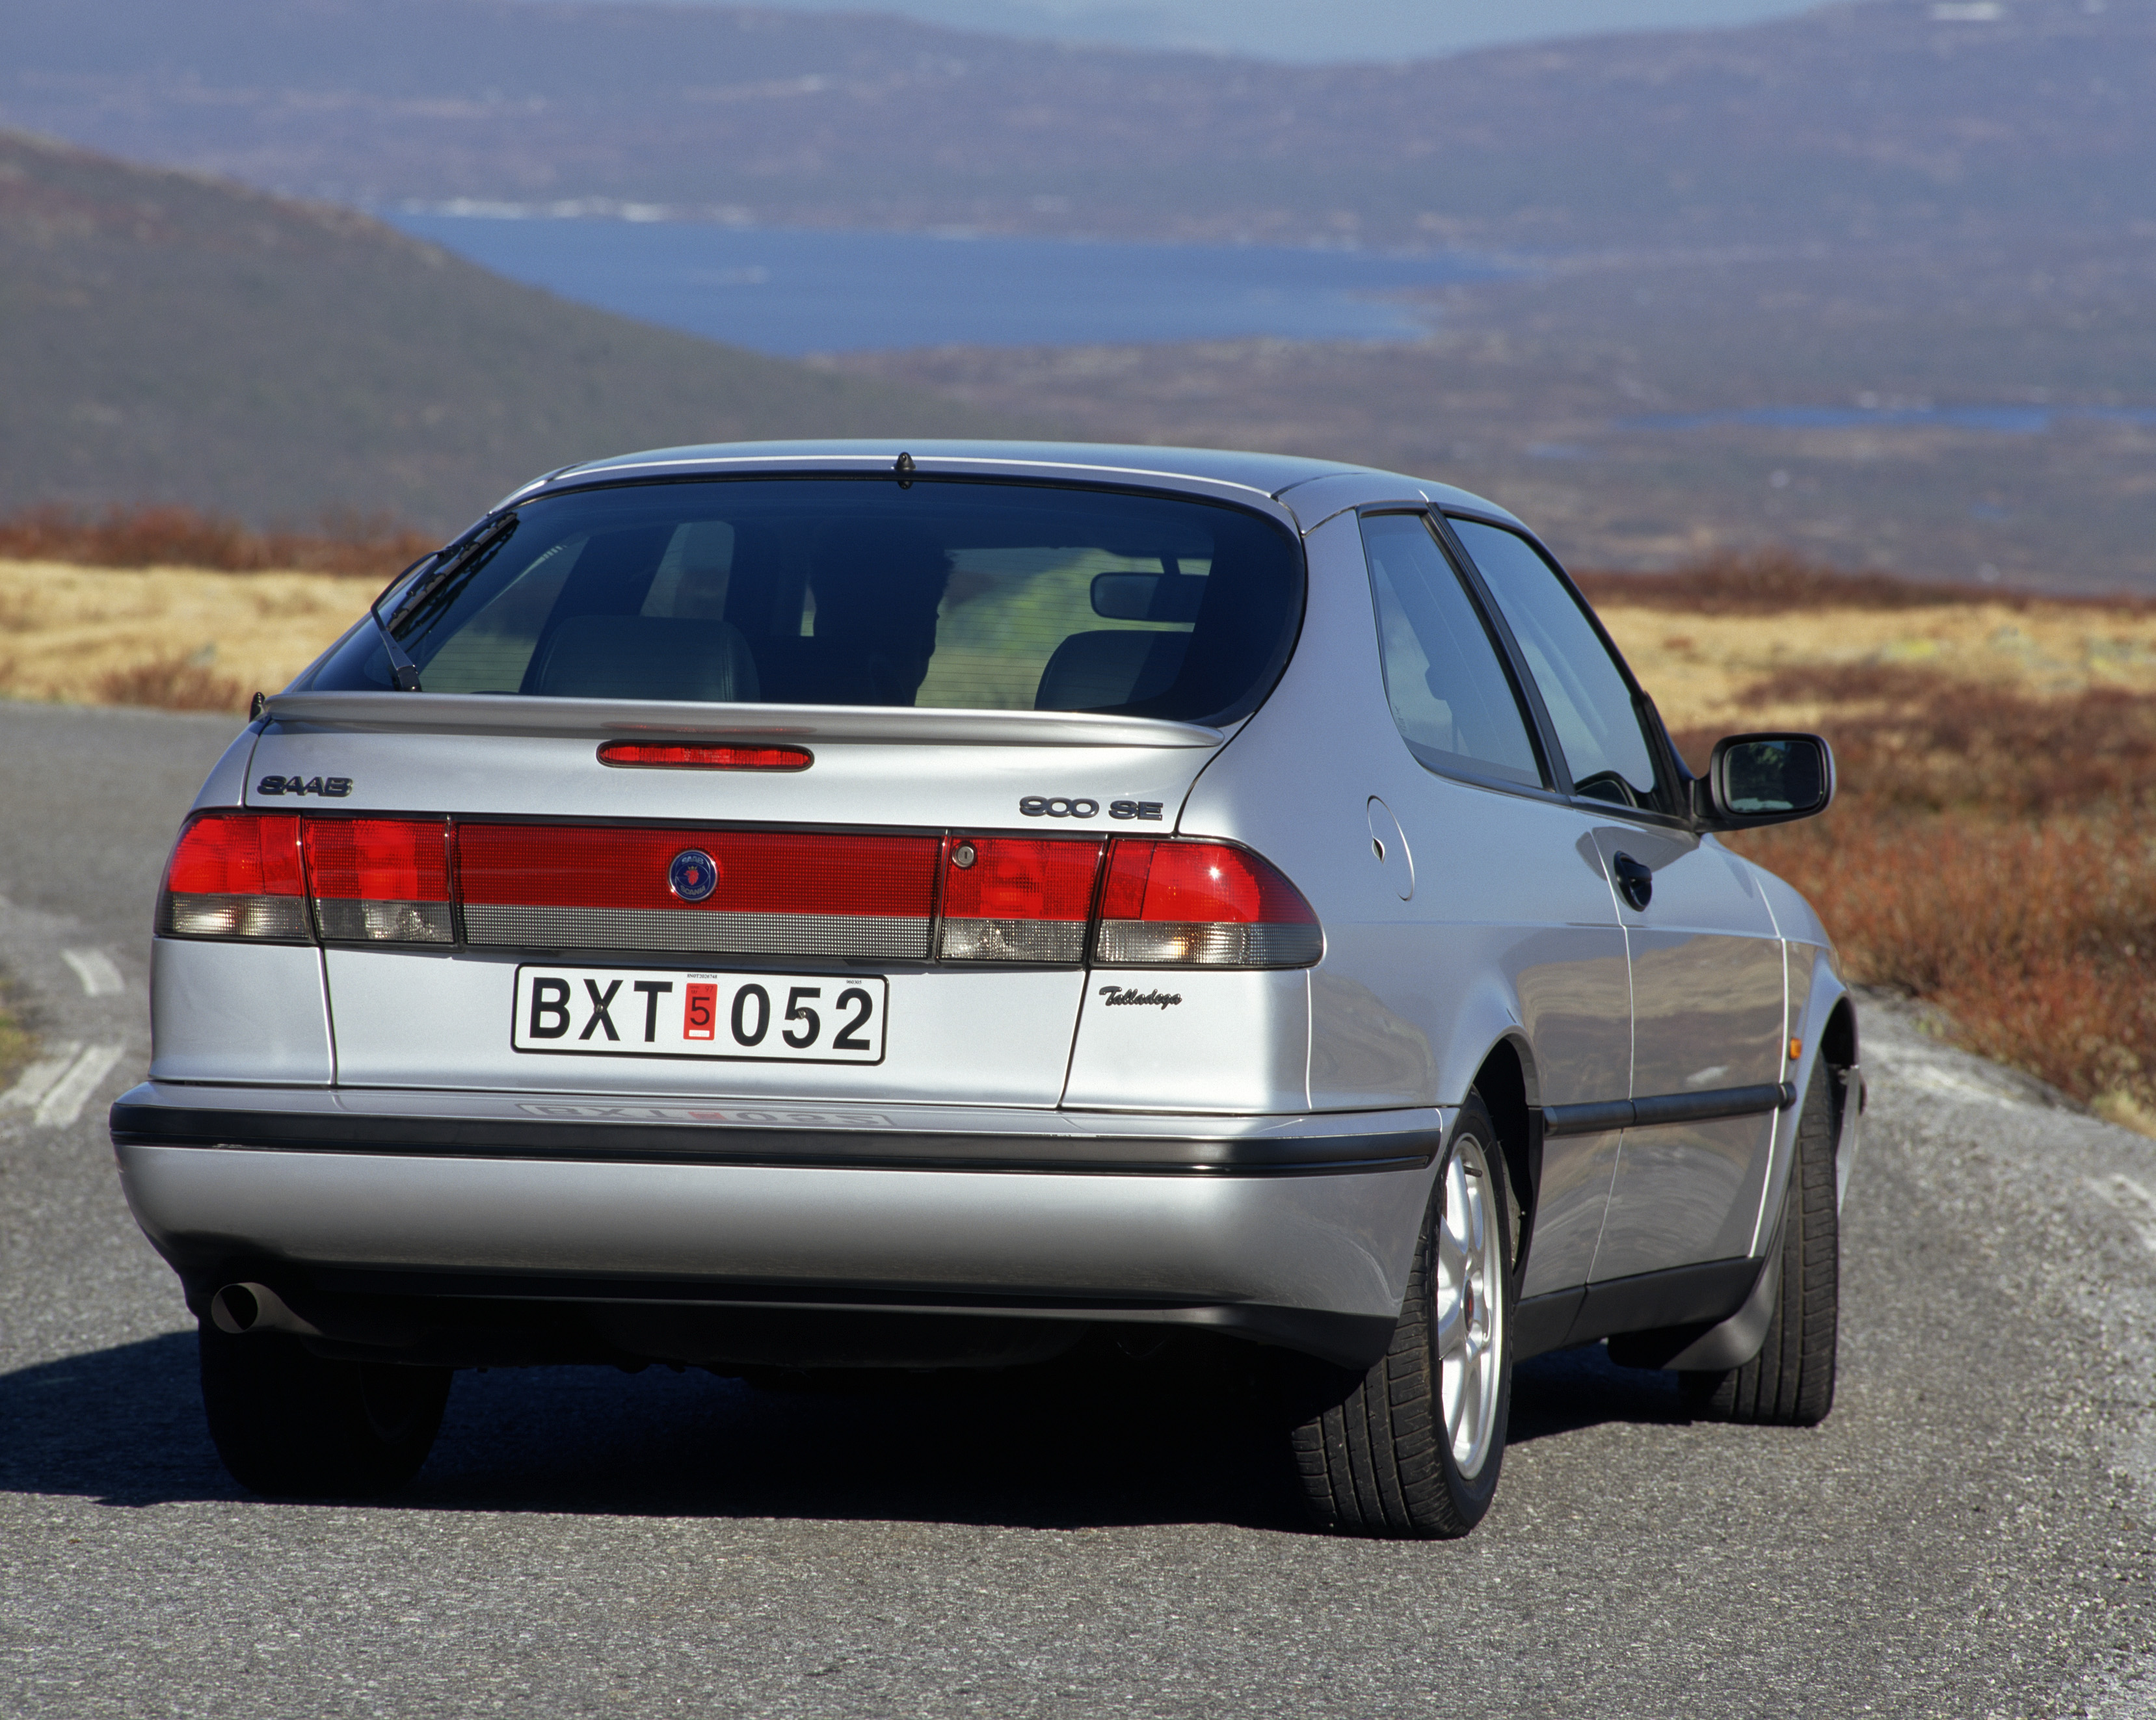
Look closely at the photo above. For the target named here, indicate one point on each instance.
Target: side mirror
(1764, 780)
(1147, 596)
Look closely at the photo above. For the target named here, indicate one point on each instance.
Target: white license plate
(635, 1012)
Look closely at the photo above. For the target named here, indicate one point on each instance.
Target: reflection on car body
(786, 906)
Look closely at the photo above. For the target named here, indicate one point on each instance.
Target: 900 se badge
(638, 1012)
(1064, 806)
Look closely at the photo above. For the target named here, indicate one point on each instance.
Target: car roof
(1270, 475)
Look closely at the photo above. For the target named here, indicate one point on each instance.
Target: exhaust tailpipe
(240, 1308)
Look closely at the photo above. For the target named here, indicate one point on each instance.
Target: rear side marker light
(1017, 899)
(381, 880)
(236, 876)
(650, 755)
(1201, 904)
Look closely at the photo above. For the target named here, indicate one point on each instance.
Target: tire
(293, 1425)
(1377, 1452)
(1791, 1381)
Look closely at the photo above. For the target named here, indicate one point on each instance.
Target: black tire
(294, 1425)
(1374, 1451)
(1791, 1381)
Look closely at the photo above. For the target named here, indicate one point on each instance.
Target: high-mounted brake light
(1201, 904)
(1017, 899)
(235, 875)
(649, 755)
(381, 880)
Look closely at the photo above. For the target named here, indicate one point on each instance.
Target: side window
(1598, 725)
(1449, 690)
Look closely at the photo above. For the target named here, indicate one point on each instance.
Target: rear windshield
(944, 595)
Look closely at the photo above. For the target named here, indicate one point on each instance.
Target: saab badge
(694, 875)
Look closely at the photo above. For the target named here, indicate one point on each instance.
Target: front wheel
(291, 1424)
(1413, 1446)
(1791, 1381)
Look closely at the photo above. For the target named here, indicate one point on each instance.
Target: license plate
(634, 1012)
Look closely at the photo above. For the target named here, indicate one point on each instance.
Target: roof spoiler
(602, 719)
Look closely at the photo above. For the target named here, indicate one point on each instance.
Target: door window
(1449, 693)
(1598, 723)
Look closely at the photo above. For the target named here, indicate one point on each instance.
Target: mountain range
(165, 337)
(1882, 120)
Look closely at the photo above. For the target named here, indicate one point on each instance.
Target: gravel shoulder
(1968, 1533)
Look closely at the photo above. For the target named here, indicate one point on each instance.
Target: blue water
(790, 291)
(2003, 420)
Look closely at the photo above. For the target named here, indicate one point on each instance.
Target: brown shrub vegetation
(1772, 582)
(372, 546)
(1991, 854)
(170, 684)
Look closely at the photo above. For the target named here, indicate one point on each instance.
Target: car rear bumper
(1296, 1230)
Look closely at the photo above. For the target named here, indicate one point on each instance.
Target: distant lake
(2020, 420)
(792, 292)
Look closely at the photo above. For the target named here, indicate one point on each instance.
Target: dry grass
(179, 636)
(355, 545)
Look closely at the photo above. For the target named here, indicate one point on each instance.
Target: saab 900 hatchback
(820, 906)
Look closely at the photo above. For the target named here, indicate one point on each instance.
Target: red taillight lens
(766, 892)
(235, 875)
(1015, 899)
(1201, 903)
(651, 756)
(381, 880)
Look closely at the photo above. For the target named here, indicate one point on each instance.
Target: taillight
(235, 875)
(1017, 899)
(648, 755)
(381, 880)
(1201, 904)
(1162, 903)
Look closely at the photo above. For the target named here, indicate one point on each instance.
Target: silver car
(820, 906)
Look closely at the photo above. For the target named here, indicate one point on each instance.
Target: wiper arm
(467, 553)
(403, 672)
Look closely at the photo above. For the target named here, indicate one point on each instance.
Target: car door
(1507, 880)
(1707, 962)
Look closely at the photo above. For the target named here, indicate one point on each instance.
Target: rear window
(944, 595)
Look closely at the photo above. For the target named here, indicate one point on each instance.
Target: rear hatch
(769, 789)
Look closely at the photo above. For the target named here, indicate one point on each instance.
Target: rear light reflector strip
(744, 892)
(1143, 901)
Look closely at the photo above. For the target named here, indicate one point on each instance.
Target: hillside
(168, 336)
(1890, 118)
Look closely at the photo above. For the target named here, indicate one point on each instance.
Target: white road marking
(2136, 1201)
(39, 1079)
(63, 1103)
(100, 978)
(54, 1089)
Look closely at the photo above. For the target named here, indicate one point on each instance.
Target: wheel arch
(1506, 1083)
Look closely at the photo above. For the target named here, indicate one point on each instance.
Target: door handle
(1636, 883)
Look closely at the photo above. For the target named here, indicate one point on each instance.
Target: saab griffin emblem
(694, 875)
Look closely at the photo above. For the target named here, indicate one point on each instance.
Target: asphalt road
(1969, 1534)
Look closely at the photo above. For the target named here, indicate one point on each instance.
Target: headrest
(647, 657)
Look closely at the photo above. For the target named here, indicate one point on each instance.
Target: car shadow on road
(1089, 1442)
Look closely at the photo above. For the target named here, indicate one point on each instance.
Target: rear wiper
(467, 553)
(403, 672)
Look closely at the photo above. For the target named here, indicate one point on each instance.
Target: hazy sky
(1314, 29)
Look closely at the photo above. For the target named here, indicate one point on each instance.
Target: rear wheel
(288, 1422)
(1791, 1381)
(1413, 1446)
